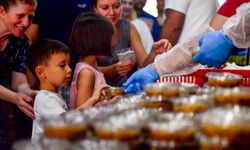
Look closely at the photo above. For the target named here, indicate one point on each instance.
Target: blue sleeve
(156, 30)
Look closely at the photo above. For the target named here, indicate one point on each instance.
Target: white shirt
(47, 104)
(145, 34)
(198, 14)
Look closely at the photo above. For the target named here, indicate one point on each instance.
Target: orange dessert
(69, 132)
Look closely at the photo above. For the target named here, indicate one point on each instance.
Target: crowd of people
(46, 45)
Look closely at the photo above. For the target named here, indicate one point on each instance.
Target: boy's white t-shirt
(198, 14)
(46, 104)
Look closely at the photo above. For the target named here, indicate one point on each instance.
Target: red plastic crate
(199, 77)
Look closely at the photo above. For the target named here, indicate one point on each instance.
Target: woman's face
(17, 19)
(127, 8)
(111, 9)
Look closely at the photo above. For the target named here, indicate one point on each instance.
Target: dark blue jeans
(4, 142)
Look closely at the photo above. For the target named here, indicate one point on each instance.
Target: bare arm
(19, 83)
(95, 97)
(20, 99)
(32, 80)
(140, 52)
(109, 71)
(218, 21)
(85, 86)
(33, 33)
(141, 56)
(7, 95)
(172, 26)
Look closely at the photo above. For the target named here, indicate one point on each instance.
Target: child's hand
(161, 46)
(98, 94)
(107, 101)
(114, 99)
(123, 68)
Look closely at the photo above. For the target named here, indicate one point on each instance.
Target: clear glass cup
(126, 55)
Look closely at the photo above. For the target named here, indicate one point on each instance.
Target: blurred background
(150, 7)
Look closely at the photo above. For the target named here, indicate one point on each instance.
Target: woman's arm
(119, 68)
(33, 33)
(157, 48)
(32, 80)
(19, 83)
(109, 71)
(7, 95)
(136, 44)
(20, 99)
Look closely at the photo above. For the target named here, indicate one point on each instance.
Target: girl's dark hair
(8, 3)
(41, 52)
(91, 35)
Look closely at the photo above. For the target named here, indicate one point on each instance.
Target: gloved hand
(215, 48)
(140, 77)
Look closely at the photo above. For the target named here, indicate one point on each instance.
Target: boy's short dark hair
(41, 51)
(91, 35)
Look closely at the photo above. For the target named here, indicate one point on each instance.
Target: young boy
(50, 63)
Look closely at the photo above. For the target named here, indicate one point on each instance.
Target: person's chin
(18, 34)
(66, 81)
(126, 14)
(115, 22)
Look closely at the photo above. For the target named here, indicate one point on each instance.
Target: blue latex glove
(140, 77)
(215, 48)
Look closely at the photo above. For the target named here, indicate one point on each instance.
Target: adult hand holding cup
(126, 61)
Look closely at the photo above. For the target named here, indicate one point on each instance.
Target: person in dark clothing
(15, 18)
